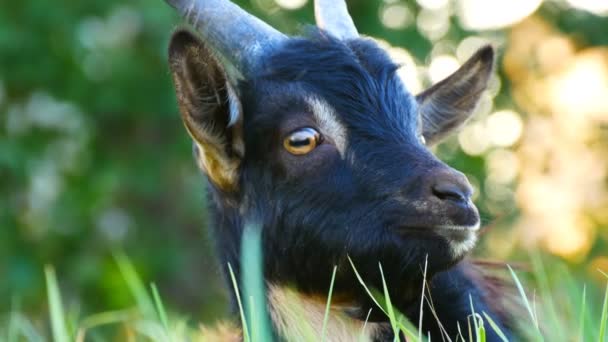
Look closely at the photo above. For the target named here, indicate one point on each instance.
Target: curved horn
(237, 35)
(333, 17)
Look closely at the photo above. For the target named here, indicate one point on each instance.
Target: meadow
(103, 222)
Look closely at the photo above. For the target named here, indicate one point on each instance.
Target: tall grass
(558, 308)
(257, 318)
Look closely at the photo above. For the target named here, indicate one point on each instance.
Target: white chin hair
(460, 248)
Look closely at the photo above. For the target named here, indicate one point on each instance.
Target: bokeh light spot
(494, 14)
(396, 16)
(504, 127)
(433, 24)
(433, 4)
(441, 67)
(473, 139)
(291, 4)
(502, 166)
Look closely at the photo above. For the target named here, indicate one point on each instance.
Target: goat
(318, 140)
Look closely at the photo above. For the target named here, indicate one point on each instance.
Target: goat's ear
(446, 105)
(209, 107)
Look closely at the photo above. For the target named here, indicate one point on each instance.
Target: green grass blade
(546, 295)
(328, 305)
(136, 286)
(481, 332)
(253, 320)
(604, 317)
(523, 296)
(367, 290)
(495, 327)
(409, 329)
(253, 280)
(422, 296)
(581, 316)
(103, 318)
(160, 310)
(12, 322)
(389, 305)
(470, 329)
(58, 326)
(25, 329)
(246, 336)
(571, 305)
(474, 316)
(362, 336)
(406, 328)
(459, 336)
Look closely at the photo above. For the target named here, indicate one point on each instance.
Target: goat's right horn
(237, 35)
(332, 16)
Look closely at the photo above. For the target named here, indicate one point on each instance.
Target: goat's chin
(459, 243)
(441, 246)
(461, 248)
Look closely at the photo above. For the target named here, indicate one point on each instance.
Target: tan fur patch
(223, 173)
(203, 93)
(300, 318)
(329, 124)
(223, 332)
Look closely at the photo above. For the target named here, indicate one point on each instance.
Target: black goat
(320, 143)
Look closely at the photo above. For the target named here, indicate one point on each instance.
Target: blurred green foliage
(94, 159)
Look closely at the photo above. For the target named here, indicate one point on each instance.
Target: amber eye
(302, 141)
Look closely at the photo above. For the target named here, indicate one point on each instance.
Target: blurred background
(94, 159)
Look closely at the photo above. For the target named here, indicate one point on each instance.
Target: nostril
(449, 191)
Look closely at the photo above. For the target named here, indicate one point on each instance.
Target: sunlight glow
(291, 4)
(441, 67)
(409, 71)
(433, 4)
(504, 127)
(396, 16)
(583, 88)
(565, 240)
(468, 46)
(494, 14)
(433, 24)
(473, 139)
(502, 166)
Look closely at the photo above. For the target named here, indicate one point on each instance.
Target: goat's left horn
(332, 16)
(237, 35)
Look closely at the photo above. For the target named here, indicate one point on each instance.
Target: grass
(557, 307)
(58, 321)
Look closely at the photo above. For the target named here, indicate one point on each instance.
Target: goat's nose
(455, 188)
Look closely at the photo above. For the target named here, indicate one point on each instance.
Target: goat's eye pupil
(302, 141)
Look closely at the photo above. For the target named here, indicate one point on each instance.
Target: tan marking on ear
(329, 124)
(199, 83)
(300, 318)
(223, 173)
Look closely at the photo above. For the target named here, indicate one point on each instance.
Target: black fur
(318, 209)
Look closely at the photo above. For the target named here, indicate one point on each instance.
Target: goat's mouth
(461, 239)
(443, 230)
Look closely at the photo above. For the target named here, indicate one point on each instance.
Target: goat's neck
(298, 317)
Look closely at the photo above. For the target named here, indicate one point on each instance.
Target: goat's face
(326, 149)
